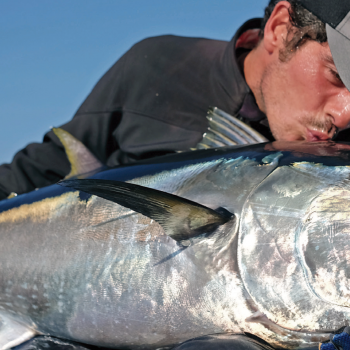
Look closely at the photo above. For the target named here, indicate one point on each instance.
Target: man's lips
(317, 135)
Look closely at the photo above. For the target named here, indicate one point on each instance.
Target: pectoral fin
(81, 160)
(13, 333)
(181, 218)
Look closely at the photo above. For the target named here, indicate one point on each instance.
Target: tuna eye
(324, 247)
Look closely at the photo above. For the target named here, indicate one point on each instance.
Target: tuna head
(294, 253)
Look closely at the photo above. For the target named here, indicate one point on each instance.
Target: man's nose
(340, 109)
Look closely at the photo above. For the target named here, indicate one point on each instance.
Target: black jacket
(152, 101)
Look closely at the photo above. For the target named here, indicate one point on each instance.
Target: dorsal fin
(181, 218)
(81, 160)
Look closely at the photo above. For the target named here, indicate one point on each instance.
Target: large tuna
(253, 239)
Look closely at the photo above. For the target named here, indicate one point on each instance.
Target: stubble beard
(267, 103)
(281, 129)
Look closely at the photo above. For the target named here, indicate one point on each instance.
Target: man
(277, 75)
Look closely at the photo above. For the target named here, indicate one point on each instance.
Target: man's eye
(336, 76)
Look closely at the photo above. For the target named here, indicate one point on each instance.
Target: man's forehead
(336, 16)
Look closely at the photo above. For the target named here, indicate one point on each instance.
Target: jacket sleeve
(42, 164)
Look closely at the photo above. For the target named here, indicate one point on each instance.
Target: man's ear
(276, 28)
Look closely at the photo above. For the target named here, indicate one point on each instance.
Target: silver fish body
(83, 268)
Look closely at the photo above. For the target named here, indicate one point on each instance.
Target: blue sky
(53, 52)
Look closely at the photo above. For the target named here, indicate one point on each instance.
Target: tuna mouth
(305, 335)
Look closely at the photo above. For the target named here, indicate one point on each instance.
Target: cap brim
(340, 49)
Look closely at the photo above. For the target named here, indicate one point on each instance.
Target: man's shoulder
(169, 43)
(174, 39)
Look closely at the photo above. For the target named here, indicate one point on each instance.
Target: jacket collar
(236, 97)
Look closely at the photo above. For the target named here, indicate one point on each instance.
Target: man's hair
(305, 26)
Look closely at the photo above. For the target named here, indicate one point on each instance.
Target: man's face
(303, 98)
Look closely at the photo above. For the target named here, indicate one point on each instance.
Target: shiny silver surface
(95, 272)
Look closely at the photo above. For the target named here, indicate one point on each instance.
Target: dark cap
(336, 15)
